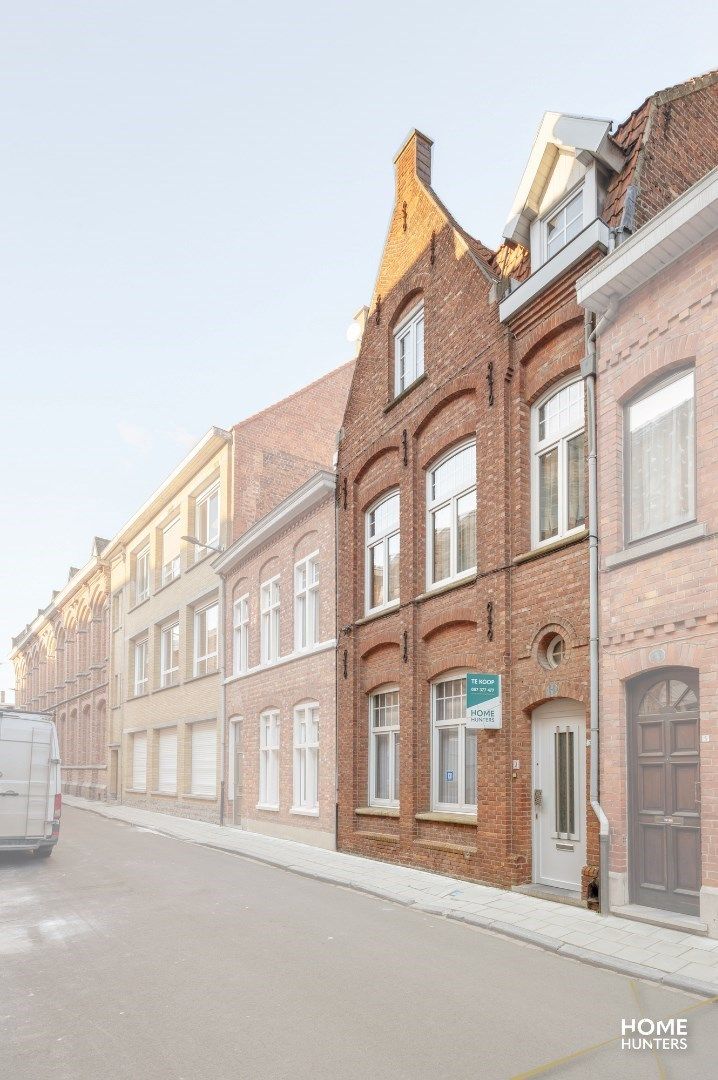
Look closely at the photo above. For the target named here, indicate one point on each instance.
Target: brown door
(664, 792)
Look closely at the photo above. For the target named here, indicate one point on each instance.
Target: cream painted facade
(165, 730)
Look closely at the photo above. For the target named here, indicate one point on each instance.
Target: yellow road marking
(542, 1069)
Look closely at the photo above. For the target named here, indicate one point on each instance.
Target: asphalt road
(132, 955)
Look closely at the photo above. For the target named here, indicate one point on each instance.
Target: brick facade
(62, 667)
(660, 611)
(300, 676)
(477, 384)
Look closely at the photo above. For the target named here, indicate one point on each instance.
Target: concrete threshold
(670, 956)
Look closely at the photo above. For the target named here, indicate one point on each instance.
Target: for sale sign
(483, 701)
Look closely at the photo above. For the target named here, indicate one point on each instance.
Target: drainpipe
(588, 371)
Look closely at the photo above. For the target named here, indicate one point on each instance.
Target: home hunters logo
(648, 1034)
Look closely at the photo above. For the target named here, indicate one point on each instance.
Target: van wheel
(45, 852)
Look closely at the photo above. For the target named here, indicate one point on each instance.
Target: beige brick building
(164, 748)
(656, 301)
(61, 667)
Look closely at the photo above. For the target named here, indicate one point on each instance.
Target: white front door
(558, 805)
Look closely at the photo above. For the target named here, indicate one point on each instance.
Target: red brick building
(655, 299)
(278, 582)
(463, 538)
(280, 689)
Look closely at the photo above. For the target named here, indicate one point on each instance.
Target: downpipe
(588, 371)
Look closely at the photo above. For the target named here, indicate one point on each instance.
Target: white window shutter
(204, 759)
(167, 761)
(139, 761)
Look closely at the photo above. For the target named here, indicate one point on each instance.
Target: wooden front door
(664, 792)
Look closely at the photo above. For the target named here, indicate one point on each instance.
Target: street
(130, 954)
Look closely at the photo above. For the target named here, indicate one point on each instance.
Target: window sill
(170, 686)
(166, 584)
(200, 798)
(196, 678)
(400, 397)
(378, 811)
(303, 811)
(202, 559)
(378, 613)
(547, 549)
(642, 549)
(439, 590)
(134, 790)
(139, 604)
(266, 806)
(138, 697)
(447, 816)
(165, 794)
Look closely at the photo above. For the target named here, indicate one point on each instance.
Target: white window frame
(413, 352)
(269, 747)
(433, 505)
(436, 726)
(169, 676)
(200, 550)
(394, 731)
(163, 734)
(306, 598)
(270, 615)
(380, 539)
(538, 450)
(240, 635)
(203, 656)
(560, 208)
(141, 649)
(143, 737)
(171, 569)
(306, 751)
(142, 581)
(649, 391)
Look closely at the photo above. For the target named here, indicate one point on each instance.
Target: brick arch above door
(660, 654)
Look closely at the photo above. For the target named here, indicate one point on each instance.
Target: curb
(673, 981)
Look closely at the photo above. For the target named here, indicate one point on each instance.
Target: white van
(30, 799)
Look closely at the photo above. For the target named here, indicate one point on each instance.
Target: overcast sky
(196, 196)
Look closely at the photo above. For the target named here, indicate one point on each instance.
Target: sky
(196, 195)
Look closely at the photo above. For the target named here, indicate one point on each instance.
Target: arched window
(409, 349)
(659, 457)
(382, 552)
(306, 759)
(668, 696)
(557, 464)
(453, 747)
(384, 747)
(451, 516)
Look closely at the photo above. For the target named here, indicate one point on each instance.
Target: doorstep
(549, 892)
(671, 920)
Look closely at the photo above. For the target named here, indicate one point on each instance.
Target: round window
(555, 651)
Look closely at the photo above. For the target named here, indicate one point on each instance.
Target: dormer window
(564, 223)
(409, 350)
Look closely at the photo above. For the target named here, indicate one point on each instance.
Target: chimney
(414, 159)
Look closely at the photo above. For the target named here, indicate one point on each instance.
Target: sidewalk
(639, 950)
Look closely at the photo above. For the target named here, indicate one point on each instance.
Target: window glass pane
(661, 451)
(381, 765)
(470, 768)
(441, 525)
(466, 532)
(576, 479)
(448, 765)
(420, 346)
(376, 574)
(454, 474)
(548, 494)
(384, 518)
(396, 765)
(393, 545)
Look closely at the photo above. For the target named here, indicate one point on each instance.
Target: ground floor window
(384, 748)
(204, 760)
(306, 757)
(269, 760)
(139, 761)
(454, 748)
(167, 761)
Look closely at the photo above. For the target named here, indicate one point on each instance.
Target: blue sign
(449, 776)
